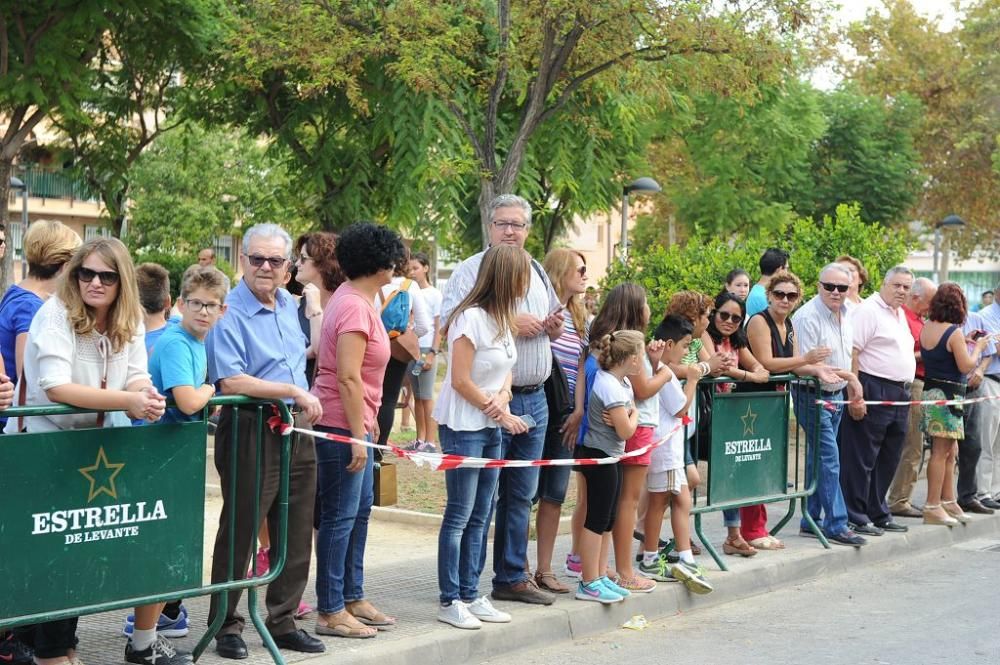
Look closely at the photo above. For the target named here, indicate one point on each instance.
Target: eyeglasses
(199, 306)
(3, 241)
(835, 287)
(256, 260)
(107, 277)
(302, 258)
(509, 226)
(582, 270)
(785, 295)
(726, 316)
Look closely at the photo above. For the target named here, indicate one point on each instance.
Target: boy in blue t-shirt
(179, 365)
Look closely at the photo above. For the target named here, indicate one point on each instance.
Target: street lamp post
(951, 221)
(643, 185)
(19, 185)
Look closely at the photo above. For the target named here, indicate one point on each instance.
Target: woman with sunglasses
(859, 278)
(567, 270)
(772, 341)
(472, 407)
(86, 349)
(725, 335)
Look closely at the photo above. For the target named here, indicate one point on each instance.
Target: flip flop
(377, 620)
(767, 543)
(344, 629)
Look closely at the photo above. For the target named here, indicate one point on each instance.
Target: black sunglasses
(582, 270)
(107, 277)
(835, 287)
(785, 295)
(256, 260)
(726, 316)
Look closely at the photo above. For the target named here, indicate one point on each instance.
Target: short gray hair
(267, 230)
(921, 286)
(896, 270)
(511, 201)
(835, 266)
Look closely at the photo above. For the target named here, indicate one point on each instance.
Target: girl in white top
(86, 349)
(470, 411)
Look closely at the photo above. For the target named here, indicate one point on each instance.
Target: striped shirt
(534, 355)
(567, 349)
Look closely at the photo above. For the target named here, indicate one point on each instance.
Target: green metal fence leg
(222, 607)
(258, 623)
(784, 520)
(708, 543)
(818, 532)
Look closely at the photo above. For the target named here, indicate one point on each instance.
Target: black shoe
(806, 533)
(160, 652)
(990, 503)
(867, 529)
(976, 506)
(231, 646)
(894, 527)
(299, 640)
(847, 538)
(638, 535)
(15, 652)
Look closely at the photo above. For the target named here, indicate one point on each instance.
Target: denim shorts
(554, 480)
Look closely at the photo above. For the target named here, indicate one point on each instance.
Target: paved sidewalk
(402, 580)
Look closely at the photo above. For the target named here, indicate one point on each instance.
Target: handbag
(404, 345)
(557, 396)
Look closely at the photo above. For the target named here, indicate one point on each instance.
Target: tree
(46, 49)
(194, 185)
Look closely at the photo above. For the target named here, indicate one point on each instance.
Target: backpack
(396, 310)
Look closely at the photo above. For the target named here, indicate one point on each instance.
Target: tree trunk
(7, 265)
(487, 192)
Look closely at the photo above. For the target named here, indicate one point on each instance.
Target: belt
(526, 390)
(824, 393)
(903, 385)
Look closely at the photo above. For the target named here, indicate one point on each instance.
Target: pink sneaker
(573, 566)
(263, 563)
(303, 611)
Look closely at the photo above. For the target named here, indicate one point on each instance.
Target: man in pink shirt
(871, 440)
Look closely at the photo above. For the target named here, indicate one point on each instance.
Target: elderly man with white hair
(871, 440)
(824, 322)
(988, 417)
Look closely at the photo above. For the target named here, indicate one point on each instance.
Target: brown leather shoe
(523, 592)
(906, 511)
(975, 506)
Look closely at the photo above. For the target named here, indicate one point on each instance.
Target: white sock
(143, 639)
(686, 556)
(649, 558)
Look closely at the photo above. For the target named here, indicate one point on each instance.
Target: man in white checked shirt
(539, 320)
(988, 418)
(824, 322)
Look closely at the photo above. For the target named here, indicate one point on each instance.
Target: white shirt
(649, 408)
(816, 326)
(670, 455)
(432, 297)
(491, 363)
(423, 322)
(883, 340)
(55, 355)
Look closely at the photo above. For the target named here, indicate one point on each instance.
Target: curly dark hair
(738, 339)
(364, 248)
(321, 247)
(948, 305)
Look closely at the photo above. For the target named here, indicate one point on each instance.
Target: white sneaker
(457, 614)
(483, 609)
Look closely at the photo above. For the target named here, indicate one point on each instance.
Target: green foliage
(702, 265)
(194, 185)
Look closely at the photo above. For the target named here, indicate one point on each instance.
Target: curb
(570, 620)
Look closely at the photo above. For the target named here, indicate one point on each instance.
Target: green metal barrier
(748, 456)
(86, 512)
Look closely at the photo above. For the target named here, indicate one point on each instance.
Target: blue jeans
(515, 491)
(828, 499)
(470, 500)
(345, 504)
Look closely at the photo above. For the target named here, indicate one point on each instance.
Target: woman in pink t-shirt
(353, 353)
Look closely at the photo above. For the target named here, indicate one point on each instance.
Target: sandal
(336, 625)
(767, 543)
(738, 546)
(370, 616)
(695, 550)
(549, 582)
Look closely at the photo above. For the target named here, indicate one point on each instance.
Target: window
(15, 239)
(91, 231)
(224, 249)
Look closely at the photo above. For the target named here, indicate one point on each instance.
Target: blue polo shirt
(258, 341)
(179, 361)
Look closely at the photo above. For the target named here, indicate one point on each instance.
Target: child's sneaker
(596, 591)
(658, 570)
(573, 566)
(160, 652)
(424, 447)
(15, 652)
(613, 586)
(263, 564)
(692, 577)
(303, 610)
(637, 584)
(165, 626)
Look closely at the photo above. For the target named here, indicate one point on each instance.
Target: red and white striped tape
(923, 402)
(445, 462)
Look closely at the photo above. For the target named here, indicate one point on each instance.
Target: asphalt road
(942, 607)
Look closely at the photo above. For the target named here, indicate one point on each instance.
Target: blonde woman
(86, 349)
(567, 271)
(470, 411)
